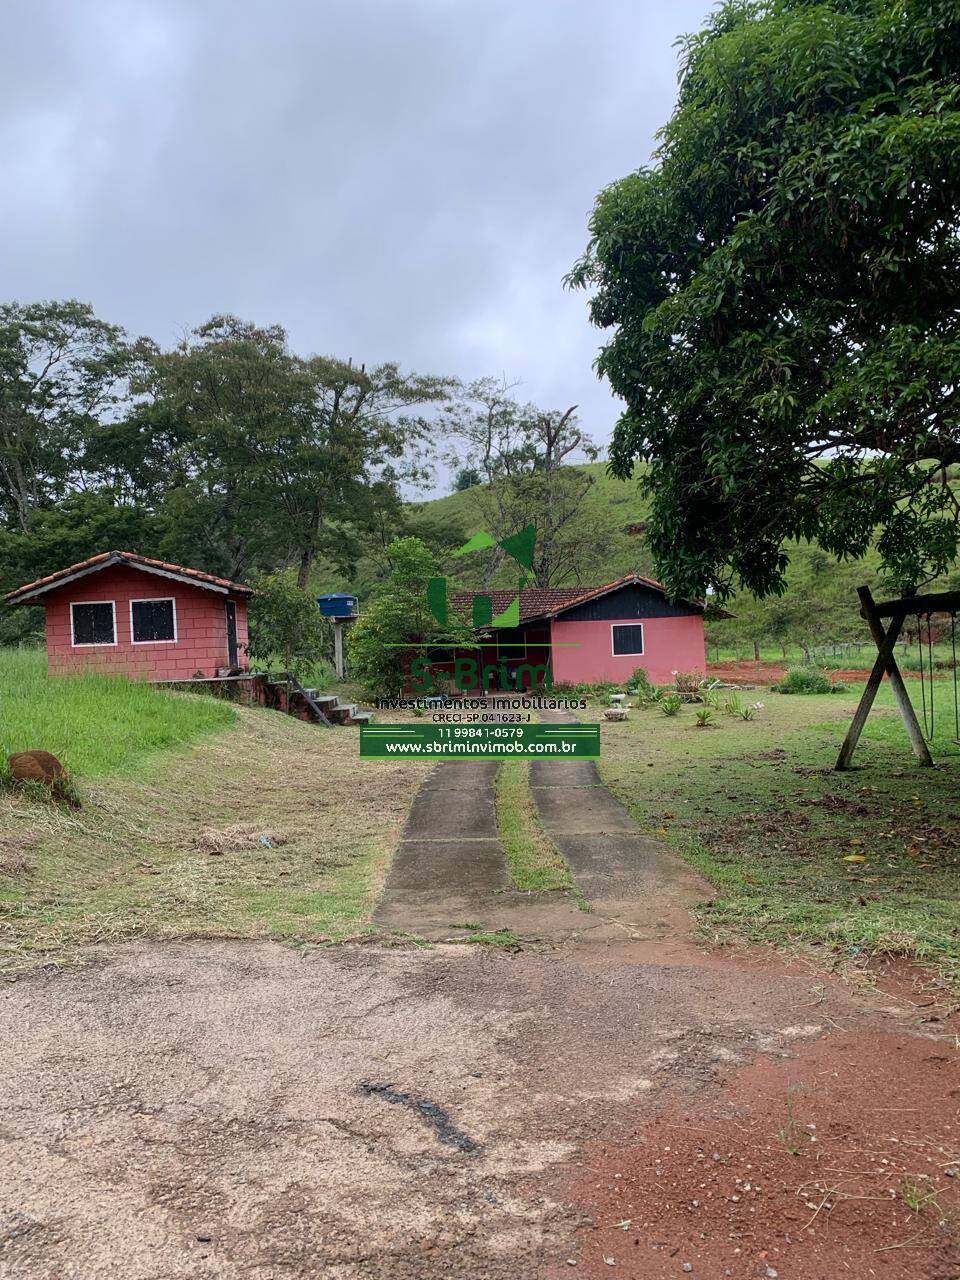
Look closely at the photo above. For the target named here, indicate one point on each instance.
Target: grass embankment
(863, 862)
(534, 861)
(168, 843)
(96, 725)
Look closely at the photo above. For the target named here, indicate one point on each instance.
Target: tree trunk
(756, 650)
(308, 552)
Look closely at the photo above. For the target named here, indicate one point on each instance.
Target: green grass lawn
(97, 725)
(177, 791)
(176, 851)
(534, 861)
(862, 862)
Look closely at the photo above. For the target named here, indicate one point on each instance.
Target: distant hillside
(819, 607)
(616, 503)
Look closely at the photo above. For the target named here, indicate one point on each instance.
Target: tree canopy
(783, 286)
(397, 624)
(62, 373)
(229, 451)
(523, 454)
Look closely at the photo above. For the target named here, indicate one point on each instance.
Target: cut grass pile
(143, 857)
(97, 725)
(534, 861)
(864, 862)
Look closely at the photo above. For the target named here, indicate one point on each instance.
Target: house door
(233, 657)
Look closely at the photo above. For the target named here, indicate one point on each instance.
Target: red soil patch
(766, 672)
(842, 1161)
(771, 672)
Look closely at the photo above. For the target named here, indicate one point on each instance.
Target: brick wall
(201, 644)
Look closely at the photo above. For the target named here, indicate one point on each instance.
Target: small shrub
(804, 680)
(733, 705)
(670, 704)
(705, 718)
(564, 688)
(747, 713)
(641, 682)
(689, 683)
(285, 621)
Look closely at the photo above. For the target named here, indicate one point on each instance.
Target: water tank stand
(339, 661)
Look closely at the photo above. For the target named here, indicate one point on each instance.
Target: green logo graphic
(520, 549)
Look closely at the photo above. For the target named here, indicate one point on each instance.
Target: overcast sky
(389, 179)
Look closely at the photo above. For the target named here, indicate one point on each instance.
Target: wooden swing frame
(886, 664)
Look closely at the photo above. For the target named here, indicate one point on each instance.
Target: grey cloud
(391, 180)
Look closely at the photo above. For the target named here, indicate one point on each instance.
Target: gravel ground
(245, 1110)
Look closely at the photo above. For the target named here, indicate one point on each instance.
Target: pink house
(122, 612)
(592, 634)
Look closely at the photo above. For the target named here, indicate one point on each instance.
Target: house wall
(583, 650)
(201, 644)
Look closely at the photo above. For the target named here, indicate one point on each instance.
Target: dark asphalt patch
(435, 1116)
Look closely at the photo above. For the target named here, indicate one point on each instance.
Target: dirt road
(214, 1110)
(224, 1110)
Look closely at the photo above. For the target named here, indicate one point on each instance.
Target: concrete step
(339, 712)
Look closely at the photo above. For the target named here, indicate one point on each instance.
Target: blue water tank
(337, 605)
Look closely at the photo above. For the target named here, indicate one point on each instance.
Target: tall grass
(96, 724)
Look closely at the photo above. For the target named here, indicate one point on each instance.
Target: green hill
(818, 615)
(616, 504)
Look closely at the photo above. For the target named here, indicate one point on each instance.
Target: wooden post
(907, 713)
(886, 662)
(338, 662)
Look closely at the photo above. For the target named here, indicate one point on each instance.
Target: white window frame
(155, 600)
(92, 644)
(643, 639)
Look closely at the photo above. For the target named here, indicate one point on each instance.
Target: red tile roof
(547, 602)
(535, 602)
(94, 564)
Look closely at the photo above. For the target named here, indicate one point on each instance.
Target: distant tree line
(232, 453)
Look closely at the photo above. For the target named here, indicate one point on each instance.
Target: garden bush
(804, 680)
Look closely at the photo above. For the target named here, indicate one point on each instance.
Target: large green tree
(63, 372)
(261, 456)
(397, 625)
(783, 287)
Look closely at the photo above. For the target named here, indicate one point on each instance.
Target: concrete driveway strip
(624, 873)
(450, 868)
(449, 865)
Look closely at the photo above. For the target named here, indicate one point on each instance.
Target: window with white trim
(153, 621)
(93, 622)
(628, 638)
